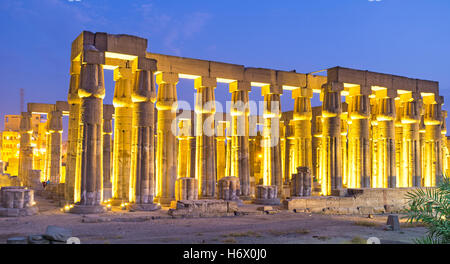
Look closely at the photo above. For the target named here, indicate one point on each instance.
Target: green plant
(431, 206)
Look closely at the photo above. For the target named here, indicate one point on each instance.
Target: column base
(87, 209)
(339, 192)
(117, 202)
(145, 207)
(107, 194)
(165, 201)
(246, 197)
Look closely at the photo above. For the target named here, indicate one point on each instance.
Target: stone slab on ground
(203, 208)
(56, 233)
(357, 201)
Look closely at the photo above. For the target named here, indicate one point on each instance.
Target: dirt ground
(282, 227)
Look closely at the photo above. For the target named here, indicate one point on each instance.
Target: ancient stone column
(331, 163)
(166, 153)
(184, 149)
(228, 188)
(432, 147)
(53, 154)
(91, 92)
(26, 150)
(398, 141)
(344, 135)
(292, 144)
(186, 188)
(358, 137)
(221, 149)
(317, 149)
(410, 116)
(72, 139)
(122, 134)
(444, 148)
(240, 162)
(272, 171)
(205, 108)
(385, 142)
(142, 183)
(108, 111)
(302, 127)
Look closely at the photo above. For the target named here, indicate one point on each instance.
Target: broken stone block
(56, 233)
(186, 188)
(267, 195)
(229, 188)
(394, 222)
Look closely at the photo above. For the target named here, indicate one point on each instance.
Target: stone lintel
(412, 96)
(205, 82)
(40, 108)
(62, 106)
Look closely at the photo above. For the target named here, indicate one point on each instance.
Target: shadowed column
(331, 162)
(166, 154)
(142, 185)
(205, 108)
(26, 150)
(240, 166)
(108, 111)
(91, 92)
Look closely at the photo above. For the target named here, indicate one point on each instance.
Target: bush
(431, 207)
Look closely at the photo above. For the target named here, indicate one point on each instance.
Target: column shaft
(108, 111)
(26, 150)
(205, 148)
(166, 154)
(432, 147)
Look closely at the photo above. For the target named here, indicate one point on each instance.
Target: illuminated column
(444, 147)
(142, 183)
(53, 155)
(240, 166)
(385, 143)
(398, 141)
(344, 134)
(184, 149)
(302, 128)
(358, 137)
(26, 150)
(292, 152)
(122, 134)
(221, 150)
(317, 150)
(272, 171)
(410, 116)
(205, 108)
(166, 152)
(331, 163)
(432, 148)
(374, 137)
(72, 139)
(422, 131)
(91, 92)
(108, 111)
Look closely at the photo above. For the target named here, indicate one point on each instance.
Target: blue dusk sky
(408, 38)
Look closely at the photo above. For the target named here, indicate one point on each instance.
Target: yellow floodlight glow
(223, 80)
(258, 84)
(188, 76)
(114, 55)
(290, 88)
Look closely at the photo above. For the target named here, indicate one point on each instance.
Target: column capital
(302, 92)
(25, 121)
(240, 86)
(55, 121)
(205, 82)
(123, 73)
(360, 90)
(146, 64)
(333, 87)
(386, 93)
(167, 77)
(271, 89)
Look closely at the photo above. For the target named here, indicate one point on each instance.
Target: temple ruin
(389, 132)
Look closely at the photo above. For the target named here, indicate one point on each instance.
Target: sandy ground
(283, 227)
